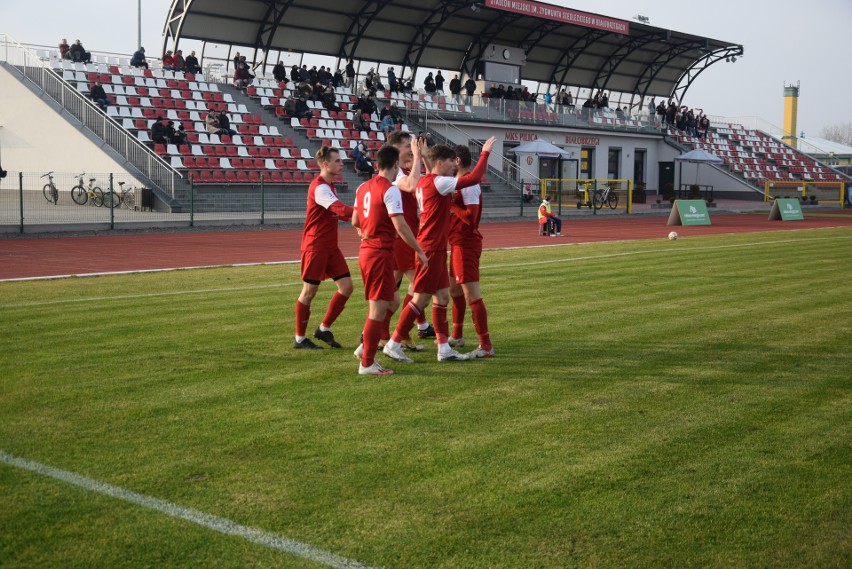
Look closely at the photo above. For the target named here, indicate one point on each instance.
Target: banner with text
(689, 212)
(560, 14)
(786, 209)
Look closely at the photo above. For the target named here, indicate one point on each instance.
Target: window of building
(587, 160)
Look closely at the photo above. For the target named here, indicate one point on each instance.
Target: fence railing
(30, 65)
(595, 194)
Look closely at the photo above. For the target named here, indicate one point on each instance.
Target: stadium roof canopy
(562, 46)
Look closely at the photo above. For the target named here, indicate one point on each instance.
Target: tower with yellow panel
(791, 110)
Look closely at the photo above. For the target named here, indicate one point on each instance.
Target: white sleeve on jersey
(470, 195)
(324, 196)
(445, 184)
(393, 201)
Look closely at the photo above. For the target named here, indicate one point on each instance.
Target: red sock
(439, 321)
(335, 307)
(480, 323)
(459, 308)
(372, 332)
(406, 321)
(421, 318)
(303, 314)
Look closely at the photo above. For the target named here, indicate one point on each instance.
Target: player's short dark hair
(397, 137)
(463, 154)
(324, 153)
(387, 157)
(441, 152)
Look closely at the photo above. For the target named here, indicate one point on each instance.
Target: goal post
(822, 192)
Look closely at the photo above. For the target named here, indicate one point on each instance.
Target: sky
(785, 43)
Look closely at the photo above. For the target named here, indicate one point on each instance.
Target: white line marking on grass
(148, 295)
(667, 250)
(221, 525)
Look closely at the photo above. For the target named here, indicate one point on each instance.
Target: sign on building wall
(560, 14)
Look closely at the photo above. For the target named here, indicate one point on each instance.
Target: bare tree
(840, 133)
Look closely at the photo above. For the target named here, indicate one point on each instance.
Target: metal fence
(140, 156)
(28, 204)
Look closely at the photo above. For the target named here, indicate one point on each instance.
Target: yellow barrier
(595, 193)
(821, 191)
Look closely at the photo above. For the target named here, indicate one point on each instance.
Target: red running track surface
(59, 256)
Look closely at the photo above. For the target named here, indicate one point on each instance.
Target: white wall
(35, 138)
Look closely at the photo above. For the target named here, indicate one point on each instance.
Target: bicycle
(49, 191)
(82, 194)
(126, 197)
(607, 196)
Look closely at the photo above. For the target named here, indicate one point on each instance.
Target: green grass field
(652, 404)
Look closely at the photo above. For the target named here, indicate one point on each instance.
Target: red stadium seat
(219, 177)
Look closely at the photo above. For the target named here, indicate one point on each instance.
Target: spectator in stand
(455, 88)
(429, 84)
(439, 82)
(350, 75)
(318, 92)
(290, 106)
(652, 110)
(180, 62)
(168, 60)
(241, 76)
(704, 123)
(661, 114)
(396, 113)
(470, 89)
(671, 114)
(304, 74)
(619, 113)
(548, 101)
(237, 59)
(368, 80)
(295, 75)
(303, 111)
(98, 95)
(279, 72)
(329, 101)
(79, 54)
(393, 84)
(225, 124)
(192, 63)
(338, 80)
(159, 132)
(63, 49)
(313, 75)
(385, 111)
(362, 164)
(388, 124)
(360, 121)
(304, 90)
(175, 136)
(138, 59)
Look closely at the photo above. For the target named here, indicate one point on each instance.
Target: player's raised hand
(489, 144)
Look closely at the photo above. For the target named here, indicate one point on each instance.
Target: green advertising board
(689, 212)
(786, 209)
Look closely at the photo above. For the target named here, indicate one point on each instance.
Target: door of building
(667, 178)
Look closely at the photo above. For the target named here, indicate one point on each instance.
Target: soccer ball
(672, 235)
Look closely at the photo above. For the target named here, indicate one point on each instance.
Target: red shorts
(320, 264)
(433, 278)
(403, 256)
(464, 262)
(377, 274)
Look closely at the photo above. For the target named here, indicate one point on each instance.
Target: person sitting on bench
(548, 218)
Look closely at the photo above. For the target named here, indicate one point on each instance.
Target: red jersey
(377, 201)
(409, 204)
(434, 195)
(322, 214)
(461, 232)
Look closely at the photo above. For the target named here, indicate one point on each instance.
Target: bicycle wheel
(98, 197)
(51, 194)
(79, 195)
(612, 200)
(598, 199)
(127, 199)
(111, 199)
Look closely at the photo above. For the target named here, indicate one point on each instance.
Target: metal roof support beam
(174, 23)
(426, 30)
(616, 58)
(360, 22)
(646, 79)
(563, 66)
(268, 25)
(685, 81)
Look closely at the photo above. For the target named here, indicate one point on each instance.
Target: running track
(58, 256)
